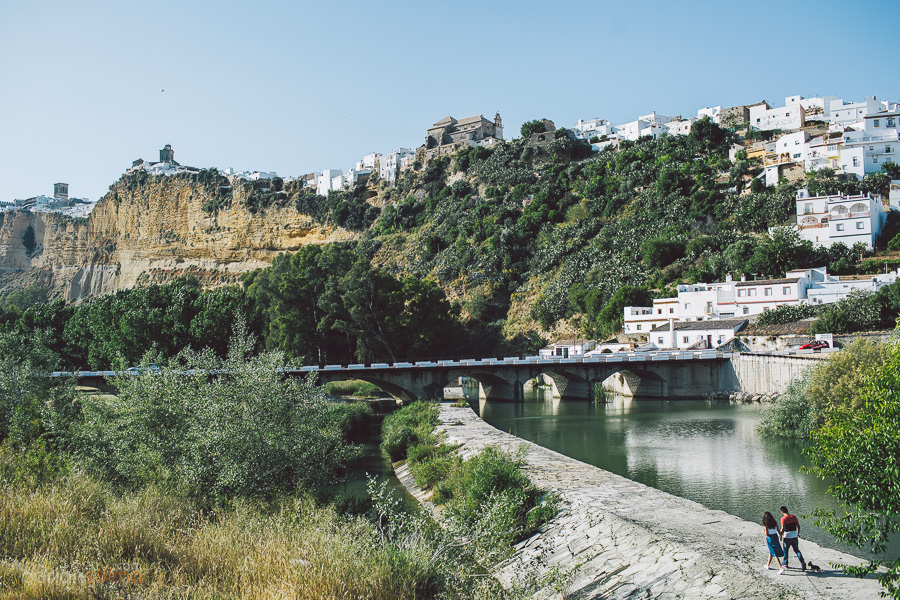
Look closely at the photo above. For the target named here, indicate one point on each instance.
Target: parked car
(816, 345)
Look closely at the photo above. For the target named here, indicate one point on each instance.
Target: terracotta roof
(704, 325)
(767, 281)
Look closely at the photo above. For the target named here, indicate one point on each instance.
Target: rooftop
(767, 282)
(704, 325)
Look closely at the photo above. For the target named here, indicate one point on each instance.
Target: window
(768, 291)
(807, 208)
(684, 339)
(860, 225)
(855, 161)
(875, 122)
(787, 114)
(786, 290)
(741, 293)
(797, 155)
(659, 311)
(751, 292)
(887, 149)
(796, 142)
(687, 306)
(671, 310)
(638, 327)
(890, 122)
(709, 307)
(746, 310)
(660, 340)
(840, 226)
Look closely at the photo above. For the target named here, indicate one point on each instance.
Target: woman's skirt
(774, 545)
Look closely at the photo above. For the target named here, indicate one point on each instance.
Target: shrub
(248, 431)
(409, 426)
(791, 415)
(787, 313)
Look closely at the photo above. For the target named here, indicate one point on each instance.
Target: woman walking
(770, 527)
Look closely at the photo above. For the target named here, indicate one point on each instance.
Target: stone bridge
(670, 375)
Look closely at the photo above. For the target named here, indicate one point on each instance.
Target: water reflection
(705, 452)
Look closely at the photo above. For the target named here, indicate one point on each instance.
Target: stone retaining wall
(763, 374)
(621, 539)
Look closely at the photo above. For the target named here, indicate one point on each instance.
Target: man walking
(790, 535)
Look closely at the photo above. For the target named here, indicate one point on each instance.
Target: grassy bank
(353, 387)
(488, 500)
(58, 532)
(200, 487)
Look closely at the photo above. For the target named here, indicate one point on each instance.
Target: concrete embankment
(764, 374)
(622, 539)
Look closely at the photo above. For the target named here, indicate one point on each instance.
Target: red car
(816, 345)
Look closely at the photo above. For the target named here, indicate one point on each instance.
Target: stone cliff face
(149, 229)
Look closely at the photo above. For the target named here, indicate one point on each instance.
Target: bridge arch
(636, 383)
(494, 387)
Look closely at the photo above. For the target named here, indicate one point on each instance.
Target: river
(707, 452)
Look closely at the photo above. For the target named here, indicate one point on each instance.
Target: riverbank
(618, 538)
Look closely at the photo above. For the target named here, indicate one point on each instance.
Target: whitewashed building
(878, 140)
(598, 127)
(765, 118)
(327, 180)
(827, 220)
(827, 292)
(710, 111)
(703, 302)
(392, 163)
(788, 149)
(646, 125)
(567, 348)
(695, 335)
(847, 113)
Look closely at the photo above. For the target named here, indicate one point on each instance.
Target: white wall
(777, 118)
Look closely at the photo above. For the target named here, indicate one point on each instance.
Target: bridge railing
(630, 357)
(619, 357)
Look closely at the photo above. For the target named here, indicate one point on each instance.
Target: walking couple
(789, 532)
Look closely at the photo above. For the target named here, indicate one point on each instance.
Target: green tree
(251, 430)
(707, 136)
(858, 311)
(529, 128)
(660, 252)
(892, 169)
(857, 450)
(779, 252)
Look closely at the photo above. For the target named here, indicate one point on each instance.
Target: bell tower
(498, 127)
(167, 155)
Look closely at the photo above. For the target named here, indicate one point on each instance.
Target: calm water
(709, 453)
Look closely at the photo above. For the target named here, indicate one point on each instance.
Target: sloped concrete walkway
(623, 539)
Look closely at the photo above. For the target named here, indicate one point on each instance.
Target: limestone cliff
(148, 229)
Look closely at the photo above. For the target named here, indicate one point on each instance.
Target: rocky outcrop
(149, 229)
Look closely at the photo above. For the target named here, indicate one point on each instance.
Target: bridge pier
(501, 390)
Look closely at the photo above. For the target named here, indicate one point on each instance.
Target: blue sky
(297, 87)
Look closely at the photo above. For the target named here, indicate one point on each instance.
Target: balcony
(816, 226)
(850, 215)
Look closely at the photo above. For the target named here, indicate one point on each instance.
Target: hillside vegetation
(491, 251)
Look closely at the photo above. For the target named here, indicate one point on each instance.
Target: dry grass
(52, 534)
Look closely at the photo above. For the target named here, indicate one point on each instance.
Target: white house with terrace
(701, 302)
(827, 220)
(878, 140)
(695, 335)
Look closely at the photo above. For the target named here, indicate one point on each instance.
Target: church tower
(167, 155)
(498, 127)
